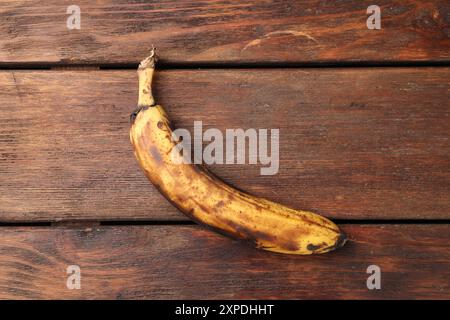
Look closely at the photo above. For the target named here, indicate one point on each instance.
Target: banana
(208, 200)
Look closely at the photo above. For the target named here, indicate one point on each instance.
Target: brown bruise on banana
(208, 200)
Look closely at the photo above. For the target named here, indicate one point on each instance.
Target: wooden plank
(354, 143)
(187, 262)
(224, 31)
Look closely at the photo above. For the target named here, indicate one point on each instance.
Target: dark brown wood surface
(354, 143)
(224, 31)
(186, 262)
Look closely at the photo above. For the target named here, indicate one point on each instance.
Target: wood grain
(187, 262)
(224, 31)
(354, 143)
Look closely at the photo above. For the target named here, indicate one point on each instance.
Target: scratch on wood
(16, 86)
(279, 33)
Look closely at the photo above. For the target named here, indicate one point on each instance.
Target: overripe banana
(208, 200)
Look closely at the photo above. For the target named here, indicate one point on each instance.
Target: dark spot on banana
(312, 247)
(182, 198)
(134, 114)
(155, 154)
(220, 204)
(204, 208)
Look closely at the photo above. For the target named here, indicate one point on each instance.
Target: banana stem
(145, 72)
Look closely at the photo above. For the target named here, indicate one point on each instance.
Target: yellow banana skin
(208, 200)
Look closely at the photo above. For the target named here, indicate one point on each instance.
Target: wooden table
(364, 121)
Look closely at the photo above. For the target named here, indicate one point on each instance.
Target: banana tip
(341, 240)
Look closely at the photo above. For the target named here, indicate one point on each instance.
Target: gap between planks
(94, 223)
(226, 65)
